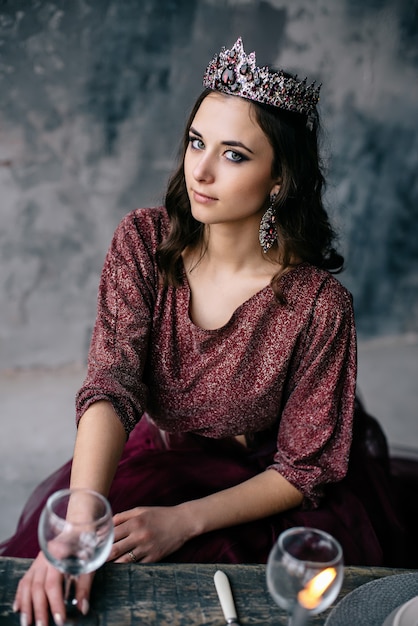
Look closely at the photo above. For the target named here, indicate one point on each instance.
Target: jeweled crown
(235, 73)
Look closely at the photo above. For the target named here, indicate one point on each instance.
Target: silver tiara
(235, 73)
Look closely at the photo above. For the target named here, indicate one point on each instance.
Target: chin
(200, 215)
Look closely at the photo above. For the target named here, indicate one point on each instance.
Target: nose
(203, 169)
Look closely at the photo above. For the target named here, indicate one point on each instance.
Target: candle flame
(310, 596)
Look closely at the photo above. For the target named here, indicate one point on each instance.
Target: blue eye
(235, 157)
(196, 143)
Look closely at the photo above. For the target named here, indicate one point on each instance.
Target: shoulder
(308, 286)
(136, 240)
(148, 224)
(139, 233)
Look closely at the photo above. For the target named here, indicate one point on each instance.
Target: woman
(223, 348)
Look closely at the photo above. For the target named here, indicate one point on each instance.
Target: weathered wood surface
(177, 594)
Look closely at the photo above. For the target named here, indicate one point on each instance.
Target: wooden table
(178, 594)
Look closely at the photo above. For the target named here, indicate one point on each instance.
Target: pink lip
(202, 198)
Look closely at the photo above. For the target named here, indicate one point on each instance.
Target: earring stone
(267, 233)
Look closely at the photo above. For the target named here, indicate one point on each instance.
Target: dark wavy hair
(304, 230)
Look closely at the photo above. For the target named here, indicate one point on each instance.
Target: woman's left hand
(148, 534)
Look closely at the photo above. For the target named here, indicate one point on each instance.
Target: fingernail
(23, 619)
(58, 619)
(85, 606)
(39, 622)
(14, 607)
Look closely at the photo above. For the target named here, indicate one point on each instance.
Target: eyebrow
(232, 143)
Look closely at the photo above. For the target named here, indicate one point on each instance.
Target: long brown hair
(304, 230)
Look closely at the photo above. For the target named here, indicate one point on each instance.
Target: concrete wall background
(93, 98)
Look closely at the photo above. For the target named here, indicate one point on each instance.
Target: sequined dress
(281, 373)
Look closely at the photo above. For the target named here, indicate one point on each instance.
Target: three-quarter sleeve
(118, 348)
(315, 431)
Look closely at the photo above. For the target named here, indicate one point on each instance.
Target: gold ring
(132, 556)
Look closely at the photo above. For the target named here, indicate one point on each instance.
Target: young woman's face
(228, 162)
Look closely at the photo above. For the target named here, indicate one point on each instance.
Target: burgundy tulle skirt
(158, 470)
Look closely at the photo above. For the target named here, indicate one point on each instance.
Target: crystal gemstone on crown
(236, 73)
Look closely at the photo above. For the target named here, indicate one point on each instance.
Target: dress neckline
(214, 331)
(261, 293)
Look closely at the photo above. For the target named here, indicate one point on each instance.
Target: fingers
(131, 557)
(47, 591)
(128, 557)
(128, 538)
(83, 592)
(124, 516)
(124, 538)
(121, 549)
(23, 600)
(39, 589)
(145, 534)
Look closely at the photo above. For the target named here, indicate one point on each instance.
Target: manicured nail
(58, 619)
(14, 607)
(23, 619)
(85, 606)
(39, 622)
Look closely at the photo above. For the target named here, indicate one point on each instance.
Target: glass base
(74, 616)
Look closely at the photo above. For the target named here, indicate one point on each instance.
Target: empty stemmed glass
(305, 572)
(75, 534)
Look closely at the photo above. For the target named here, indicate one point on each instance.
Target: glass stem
(69, 591)
(299, 616)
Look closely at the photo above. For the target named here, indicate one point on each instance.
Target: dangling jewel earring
(267, 233)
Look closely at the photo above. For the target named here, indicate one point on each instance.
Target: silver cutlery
(226, 599)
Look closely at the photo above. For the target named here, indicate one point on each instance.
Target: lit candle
(311, 595)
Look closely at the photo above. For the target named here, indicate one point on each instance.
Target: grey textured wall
(93, 98)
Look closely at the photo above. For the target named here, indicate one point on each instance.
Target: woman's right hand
(41, 589)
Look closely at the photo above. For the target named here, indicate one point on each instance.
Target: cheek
(186, 166)
(254, 189)
(189, 161)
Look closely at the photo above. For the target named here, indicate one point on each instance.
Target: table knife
(225, 598)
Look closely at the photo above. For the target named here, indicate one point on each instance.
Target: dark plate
(370, 604)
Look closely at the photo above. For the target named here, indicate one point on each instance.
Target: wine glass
(75, 533)
(305, 571)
